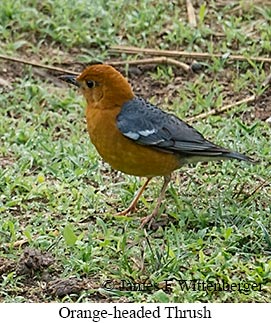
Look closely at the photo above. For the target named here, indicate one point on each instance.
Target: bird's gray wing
(147, 125)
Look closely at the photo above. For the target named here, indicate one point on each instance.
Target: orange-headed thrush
(136, 137)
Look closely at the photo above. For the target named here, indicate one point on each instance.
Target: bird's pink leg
(149, 218)
(133, 204)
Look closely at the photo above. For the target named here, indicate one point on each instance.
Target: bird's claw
(126, 212)
(147, 219)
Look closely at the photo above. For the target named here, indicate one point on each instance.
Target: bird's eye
(90, 84)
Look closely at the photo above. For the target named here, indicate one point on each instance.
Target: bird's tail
(217, 153)
(235, 155)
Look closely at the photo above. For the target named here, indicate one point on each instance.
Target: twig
(18, 243)
(48, 67)
(222, 109)
(191, 14)
(156, 60)
(267, 81)
(257, 188)
(175, 53)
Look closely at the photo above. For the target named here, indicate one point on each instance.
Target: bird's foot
(127, 212)
(155, 224)
(148, 220)
(132, 207)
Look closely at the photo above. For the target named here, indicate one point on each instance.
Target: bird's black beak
(69, 79)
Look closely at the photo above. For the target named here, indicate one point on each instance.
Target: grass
(59, 197)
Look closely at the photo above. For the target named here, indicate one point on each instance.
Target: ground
(59, 238)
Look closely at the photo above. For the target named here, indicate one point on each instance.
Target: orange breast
(122, 153)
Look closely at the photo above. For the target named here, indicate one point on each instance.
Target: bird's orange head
(102, 86)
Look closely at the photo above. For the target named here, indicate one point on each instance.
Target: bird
(135, 136)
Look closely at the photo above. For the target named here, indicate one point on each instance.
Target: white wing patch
(147, 132)
(136, 135)
(131, 135)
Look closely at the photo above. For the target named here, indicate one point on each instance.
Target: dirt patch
(33, 260)
(6, 266)
(61, 287)
(9, 72)
(261, 108)
(6, 161)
